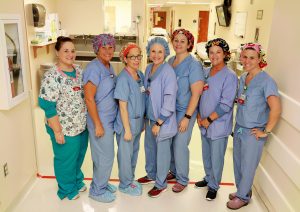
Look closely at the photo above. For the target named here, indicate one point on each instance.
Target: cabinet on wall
(13, 88)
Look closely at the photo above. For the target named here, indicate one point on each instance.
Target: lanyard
(71, 78)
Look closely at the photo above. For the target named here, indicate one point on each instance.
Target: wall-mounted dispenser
(39, 15)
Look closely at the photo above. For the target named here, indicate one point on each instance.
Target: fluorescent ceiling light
(176, 2)
(199, 3)
(155, 5)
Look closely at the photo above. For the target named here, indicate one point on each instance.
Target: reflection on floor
(41, 197)
(42, 194)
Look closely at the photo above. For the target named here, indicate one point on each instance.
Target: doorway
(203, 20)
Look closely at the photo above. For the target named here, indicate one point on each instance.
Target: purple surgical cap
(103, 40)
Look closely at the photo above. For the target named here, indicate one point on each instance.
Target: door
(159, 19)
(203, 26)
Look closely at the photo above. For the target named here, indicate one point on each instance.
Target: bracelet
(267, 132)
(187, 116)
(209, 120)
(158, 124)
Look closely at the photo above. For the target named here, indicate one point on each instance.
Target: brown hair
(60, 41)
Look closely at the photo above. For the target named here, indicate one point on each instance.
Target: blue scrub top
(162, 92)
(255, 111)
(132, 92)
(105, 81)
(221, 92)
(187, 72)
(149, 110)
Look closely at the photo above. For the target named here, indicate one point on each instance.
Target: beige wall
(81, 17)
(17, 132)
(252, 23)
(188, 13)
(278, 176)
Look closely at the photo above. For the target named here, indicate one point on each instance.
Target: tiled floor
(42, 194)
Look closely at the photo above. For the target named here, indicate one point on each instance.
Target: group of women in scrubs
(165, 103)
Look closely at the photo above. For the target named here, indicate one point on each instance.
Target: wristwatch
(267, 132)
(209, 120)
(187, 116)
(158, 124)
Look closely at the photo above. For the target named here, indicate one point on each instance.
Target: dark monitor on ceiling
(223, 15)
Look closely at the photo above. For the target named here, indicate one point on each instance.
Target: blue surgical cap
(161, 41)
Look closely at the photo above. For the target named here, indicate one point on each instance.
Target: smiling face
(157, 54)
(216, 55)
(105, 53)
(66, 54)
(250, 60)
(180, 44)
(133, 59)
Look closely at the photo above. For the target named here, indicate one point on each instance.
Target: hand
(155, 130)
(183, 124)
(99, 131)
(59, 137)
(199, 121)
(128, 136)
(258, 133)
(205, 123)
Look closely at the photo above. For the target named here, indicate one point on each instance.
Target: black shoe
(211, 195)
(201, 184)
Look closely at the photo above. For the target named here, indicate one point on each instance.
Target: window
(117, 17)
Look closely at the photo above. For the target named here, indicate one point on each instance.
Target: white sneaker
(75, 197)
(83, 189)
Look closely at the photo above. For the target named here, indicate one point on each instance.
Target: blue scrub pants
(127, 158)
(102, 149)
(158, 157)
(68, 159)
(247, 152)
(180, 153)
(213, 152)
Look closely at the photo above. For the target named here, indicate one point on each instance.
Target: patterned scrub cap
(125, 50)
(187, 34)
(103, 40)
(258, 48)
(162, 42)
(221, 43)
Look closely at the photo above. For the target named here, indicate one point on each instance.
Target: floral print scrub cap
(103, 40)
(125, 50)
(258, 48)
(221, 43)
(162, 42)
(187, 34)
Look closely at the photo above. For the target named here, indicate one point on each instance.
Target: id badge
(148, 91)
(142, 88)
(242, 99)
(205, 87)
(76, 88)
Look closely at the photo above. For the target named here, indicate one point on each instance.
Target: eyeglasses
(139, 57)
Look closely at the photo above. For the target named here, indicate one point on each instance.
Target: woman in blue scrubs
(99, 85)
(130, 93)
(161, 125)
(216, 112)
(61, 97)
(258, 112)
(190, 80)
